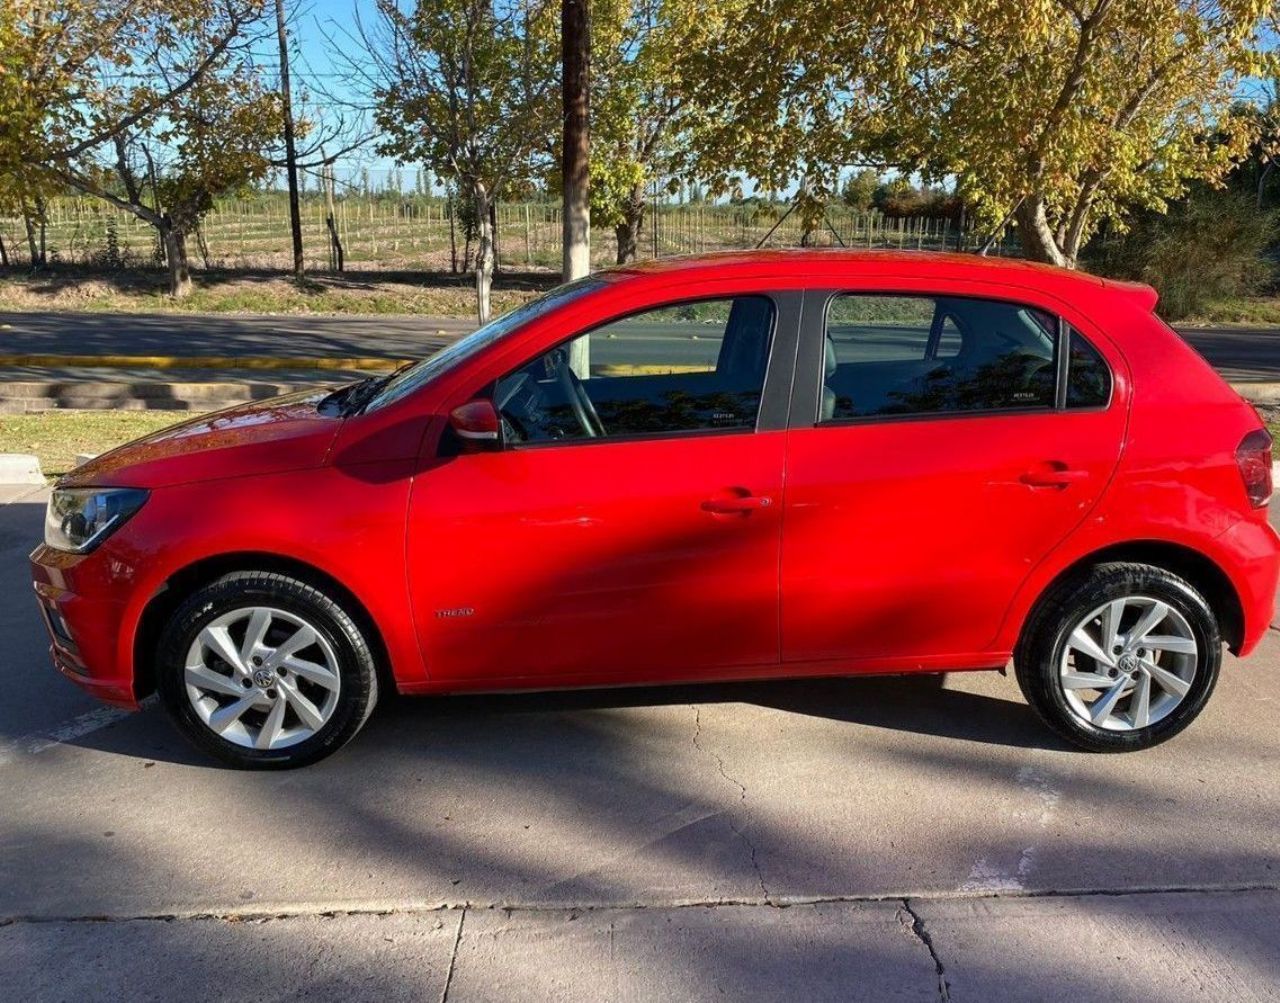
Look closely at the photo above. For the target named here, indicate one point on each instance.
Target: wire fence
(425, 233)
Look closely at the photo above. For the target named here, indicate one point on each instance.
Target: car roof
(824, 266)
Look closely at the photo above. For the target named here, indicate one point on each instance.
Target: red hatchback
(736, 467)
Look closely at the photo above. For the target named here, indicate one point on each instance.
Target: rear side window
(916, 355)
(1088, 378)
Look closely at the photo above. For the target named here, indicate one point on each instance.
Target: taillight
(1253, 457)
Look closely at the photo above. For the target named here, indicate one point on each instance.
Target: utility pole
(575, 52)
(290, 153)
(575, 39)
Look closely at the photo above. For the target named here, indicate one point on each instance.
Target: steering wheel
(579, 401)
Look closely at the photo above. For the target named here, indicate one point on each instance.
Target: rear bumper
(84, 630)
(1253, 552)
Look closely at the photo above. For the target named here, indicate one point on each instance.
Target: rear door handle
(730, 505)
(1053, 477)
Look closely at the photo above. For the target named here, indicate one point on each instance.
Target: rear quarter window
(1088, 376)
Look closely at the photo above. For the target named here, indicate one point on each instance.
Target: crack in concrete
(453, 958)
(773, 901)
(742, 799)
(916, 929)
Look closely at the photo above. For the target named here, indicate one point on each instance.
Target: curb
(201, 362)
(20, 468)
(1257, 393)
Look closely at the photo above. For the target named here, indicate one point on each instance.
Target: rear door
(940, 446)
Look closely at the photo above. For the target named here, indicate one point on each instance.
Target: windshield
(421, 373)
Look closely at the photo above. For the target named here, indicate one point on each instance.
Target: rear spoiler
(1139, 293)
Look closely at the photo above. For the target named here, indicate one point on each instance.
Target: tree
(642, 108)
(1051, 116)
(467, 87)
(859, 191)
(98, 87)
(290, 149)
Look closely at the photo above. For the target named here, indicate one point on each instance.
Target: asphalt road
(1241, 354)
(859, 839)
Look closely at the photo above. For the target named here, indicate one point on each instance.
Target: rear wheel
(1121, 658)
(265, 671)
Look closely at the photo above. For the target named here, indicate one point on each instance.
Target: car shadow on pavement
(918, 704)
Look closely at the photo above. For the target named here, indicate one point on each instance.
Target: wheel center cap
(264, 678)
(1128, 663)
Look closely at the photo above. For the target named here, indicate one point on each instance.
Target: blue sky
(313, 24)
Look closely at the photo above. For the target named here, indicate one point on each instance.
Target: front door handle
(732, 505)
(1054, 475)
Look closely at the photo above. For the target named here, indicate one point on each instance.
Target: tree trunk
(493, 236)
(175, 250)
(1035, 234)
(628, 231)
(626, 236)
(4, 253)
(42, 216)
(32, 248)
(484, 253)
(451, 204)
(290, 152)
(575, 51)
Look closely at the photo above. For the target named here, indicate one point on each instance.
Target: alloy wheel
(1128, 664)
(262, 678)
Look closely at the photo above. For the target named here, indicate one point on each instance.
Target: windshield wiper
(339, 400)
(355, 397)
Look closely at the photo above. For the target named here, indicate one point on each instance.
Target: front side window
(689, 367)
(917, 355)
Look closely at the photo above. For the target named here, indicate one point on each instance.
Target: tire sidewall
(358, 679)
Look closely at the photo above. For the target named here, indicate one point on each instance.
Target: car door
(940, 446)
(629, 528)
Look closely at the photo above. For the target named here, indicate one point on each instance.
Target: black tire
(1044, 640)
(356, 666)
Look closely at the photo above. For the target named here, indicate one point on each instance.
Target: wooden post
(528, 239)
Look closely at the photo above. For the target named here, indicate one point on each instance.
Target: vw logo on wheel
(264, 678)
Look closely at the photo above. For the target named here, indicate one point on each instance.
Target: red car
(734, 467)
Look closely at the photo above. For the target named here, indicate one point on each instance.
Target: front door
(630, 527)
(946, 452)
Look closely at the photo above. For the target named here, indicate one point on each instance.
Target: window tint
(684, 368)
(902, 355)
(1088, 378)
(949, 340)
(879, 328)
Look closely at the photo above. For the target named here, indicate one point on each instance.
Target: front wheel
(265, 671)
(1121, 658)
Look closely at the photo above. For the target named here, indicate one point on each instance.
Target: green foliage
(1065, 112)
(1210, 246)
(902, 200)
(859, 191)
(641, 110)
(467, 87)
(155, 106)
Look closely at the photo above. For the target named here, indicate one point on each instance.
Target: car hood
(265, 437)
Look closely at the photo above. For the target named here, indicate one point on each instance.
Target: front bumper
(84, 628)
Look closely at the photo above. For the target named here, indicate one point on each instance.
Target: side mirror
(477, 426)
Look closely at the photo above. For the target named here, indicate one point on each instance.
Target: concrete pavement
(851, 839)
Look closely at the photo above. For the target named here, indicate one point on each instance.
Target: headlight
(78, 519)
